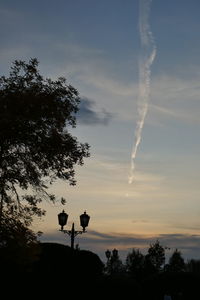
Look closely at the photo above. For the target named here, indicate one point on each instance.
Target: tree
(156, 255)
(36, 147)
(135, 263)
(114, 264)
(18, 244)
(176, 262)
(193, 266)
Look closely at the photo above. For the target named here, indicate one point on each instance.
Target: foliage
(18, 244)
(135, 262)
(36, 147)
(156, 255)
(193, 266)
(176, 262)
(114, 264)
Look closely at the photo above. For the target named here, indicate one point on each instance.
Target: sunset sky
(96, 46)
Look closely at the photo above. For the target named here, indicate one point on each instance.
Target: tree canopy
(18, 244)
(135, 262)
(156, 255)
(176, 262)
(36, 147)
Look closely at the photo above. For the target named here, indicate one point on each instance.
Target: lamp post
(62, 220)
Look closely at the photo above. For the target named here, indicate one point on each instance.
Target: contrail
(148, 53)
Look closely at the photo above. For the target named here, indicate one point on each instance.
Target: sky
(96, 46)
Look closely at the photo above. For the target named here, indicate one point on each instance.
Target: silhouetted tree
(176, 262)
(87, 266)
(18, 245)
(60, 267)
(114, 264)
(155, 256)
(135, 263)
(36, 147)
(193, 266)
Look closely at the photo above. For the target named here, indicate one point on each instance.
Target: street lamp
(108, 254)
(62, 220)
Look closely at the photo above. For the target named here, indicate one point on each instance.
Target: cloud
(103, 81)
(175, 98)
(88, 116)
(98, 242)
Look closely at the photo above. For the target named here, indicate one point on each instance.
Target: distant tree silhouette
(135, 263)
(114, 264)
(193, 266)
(36, 147)
(176, 262)
(117, 282)
(147, 278)
(155, 258)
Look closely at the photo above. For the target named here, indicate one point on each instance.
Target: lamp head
(62, 219)
(84, 220)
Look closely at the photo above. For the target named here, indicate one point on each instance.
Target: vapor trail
(148, 53)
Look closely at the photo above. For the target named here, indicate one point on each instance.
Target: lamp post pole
(72, 236)
(72, 233)
(84, 220)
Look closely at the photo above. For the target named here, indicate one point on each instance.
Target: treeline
(138, 265)
(29, 267)
(46, 269)
(151, 276)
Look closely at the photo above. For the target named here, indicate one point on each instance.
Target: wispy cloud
(172, 97)
(176, 97)
(105, 82)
